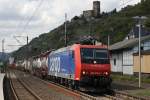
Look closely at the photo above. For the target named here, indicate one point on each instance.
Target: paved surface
(1, 86)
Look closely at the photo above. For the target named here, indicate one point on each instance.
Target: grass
(145, 92)
(138, 92)
(129, 78)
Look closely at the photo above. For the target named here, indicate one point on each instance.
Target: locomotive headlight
(106, 73)
(83, 72)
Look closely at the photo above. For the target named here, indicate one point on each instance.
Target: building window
(114, 61)
(142, 48)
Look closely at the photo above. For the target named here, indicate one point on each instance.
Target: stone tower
(96, 8)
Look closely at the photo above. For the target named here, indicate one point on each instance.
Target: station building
(122, 53)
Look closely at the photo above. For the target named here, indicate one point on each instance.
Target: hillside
(4, 56)
(116, 24)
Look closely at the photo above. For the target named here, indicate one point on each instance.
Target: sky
(34, 17)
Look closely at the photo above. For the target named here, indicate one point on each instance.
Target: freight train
(40, 65)
(77, 66)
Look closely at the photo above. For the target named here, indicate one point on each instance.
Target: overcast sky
(34, 17)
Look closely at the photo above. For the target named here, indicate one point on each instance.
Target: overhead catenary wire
(35, 11)
(20, 23)
(28, 21)
(17, 39)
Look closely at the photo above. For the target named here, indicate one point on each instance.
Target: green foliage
(116, 24)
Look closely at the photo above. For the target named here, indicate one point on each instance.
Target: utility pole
(140, 53)
(108, 37)
(3, 50)
(108, 43)
(27, 40)
(91, 30)
(27, 48)
(65, 29)
(3, 56)
(27, 52)
(140, 19)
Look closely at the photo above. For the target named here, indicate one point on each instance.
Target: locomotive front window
(91, 55)
(101, 54)
(87, 53)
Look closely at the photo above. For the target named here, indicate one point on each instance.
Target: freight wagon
(40, 65)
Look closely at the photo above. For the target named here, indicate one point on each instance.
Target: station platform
(1, 86)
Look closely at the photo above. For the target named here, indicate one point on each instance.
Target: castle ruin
(95, 12)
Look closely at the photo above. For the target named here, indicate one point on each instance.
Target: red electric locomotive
(92, 66)
(82, 66)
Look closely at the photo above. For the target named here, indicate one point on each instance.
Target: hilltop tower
(96, 8)
(95, 12)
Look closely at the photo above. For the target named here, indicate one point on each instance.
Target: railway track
(39, 86)
(21, 91)
(125, 96)
(44, 91)
(115, 95)
(84, 96)
(81, 95)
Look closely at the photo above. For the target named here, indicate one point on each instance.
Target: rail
(116, 96)
(16, 95)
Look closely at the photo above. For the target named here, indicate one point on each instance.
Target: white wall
(118, 66)
(128, 57)
(124, 62)
(128, 61)
(128, 70)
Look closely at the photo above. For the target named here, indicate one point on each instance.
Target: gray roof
(128, 43)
